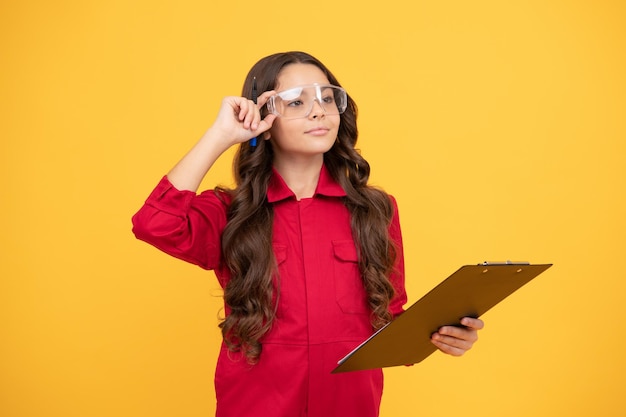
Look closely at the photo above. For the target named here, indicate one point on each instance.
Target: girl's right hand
(239, 119)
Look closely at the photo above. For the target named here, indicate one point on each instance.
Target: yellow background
(499, 126)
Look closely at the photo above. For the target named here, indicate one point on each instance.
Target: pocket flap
(345, 250)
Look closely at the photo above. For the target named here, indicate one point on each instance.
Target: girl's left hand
(455, 340)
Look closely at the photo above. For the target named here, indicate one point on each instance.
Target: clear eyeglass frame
(298, 102)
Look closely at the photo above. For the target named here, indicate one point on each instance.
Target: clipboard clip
(487, 263)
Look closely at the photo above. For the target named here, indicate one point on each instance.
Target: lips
(319, 130)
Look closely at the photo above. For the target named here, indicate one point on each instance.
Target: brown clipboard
(469, 292)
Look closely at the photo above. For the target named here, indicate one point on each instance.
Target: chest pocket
(349, 289)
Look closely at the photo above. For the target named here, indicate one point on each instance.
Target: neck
(300, 176)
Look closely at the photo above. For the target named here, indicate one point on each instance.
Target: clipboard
(469, 292)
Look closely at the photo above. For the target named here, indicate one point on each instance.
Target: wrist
(218, 139)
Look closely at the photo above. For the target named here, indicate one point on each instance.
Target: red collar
(326, 185)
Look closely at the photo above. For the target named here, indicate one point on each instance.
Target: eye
(329, 99)
(294, 103)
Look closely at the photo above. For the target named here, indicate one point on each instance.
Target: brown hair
(252, 293)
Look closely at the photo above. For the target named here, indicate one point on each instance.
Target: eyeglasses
(297, 102)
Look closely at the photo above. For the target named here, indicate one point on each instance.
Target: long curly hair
(253, 290)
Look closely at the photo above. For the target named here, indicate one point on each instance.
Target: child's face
(311, 135)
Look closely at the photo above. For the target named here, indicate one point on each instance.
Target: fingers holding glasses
(240, 118)
(235, 118)
(264, 98)
(266, 123)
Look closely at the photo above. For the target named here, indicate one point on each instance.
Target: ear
(267, 136)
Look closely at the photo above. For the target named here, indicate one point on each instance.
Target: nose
(317, 110)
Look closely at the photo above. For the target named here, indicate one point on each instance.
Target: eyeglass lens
(298, 102)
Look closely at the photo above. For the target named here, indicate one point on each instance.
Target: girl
(308, 254)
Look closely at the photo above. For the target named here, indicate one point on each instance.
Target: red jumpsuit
(322, 312)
